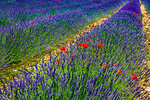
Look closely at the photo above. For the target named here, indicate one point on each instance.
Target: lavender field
(103, 64)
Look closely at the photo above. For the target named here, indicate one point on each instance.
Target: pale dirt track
(145, 83)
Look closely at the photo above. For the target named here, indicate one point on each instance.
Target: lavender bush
(100, 65)
(27, 39)
(27, 11)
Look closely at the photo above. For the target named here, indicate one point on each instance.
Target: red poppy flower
(137, 89)
(100, 52)
(105, 20)
(95, 51)
(134, 76)
(137, 15)
(63, 48)
(69, 61)
(116, 64)
(97, 54)
(48, 16)
(88, 39)
(65, 51)
(85, 45)
(139, 20)
(20, 27)
(100, 10)
(56, 5)
(117, 70)
(100, 45)
(58, 61)
(32, 23)
(92, 26)
(104, 65)
(72, 56)
(80, 44)
(119, 73)
(75, 18)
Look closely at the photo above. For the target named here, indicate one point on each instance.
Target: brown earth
(145, 83)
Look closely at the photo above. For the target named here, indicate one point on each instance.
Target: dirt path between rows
(145, 83)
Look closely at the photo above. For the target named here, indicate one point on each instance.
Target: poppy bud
(119, 73)
(116, 64)
(88, 39)
(85, 45)
(32, 23)
(100, 45)
(104, 65)
(80, 44)
(92, 26)
(134, 77)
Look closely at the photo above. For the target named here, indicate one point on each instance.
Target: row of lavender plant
(20, 12)
(103, 64)
(27, 39)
